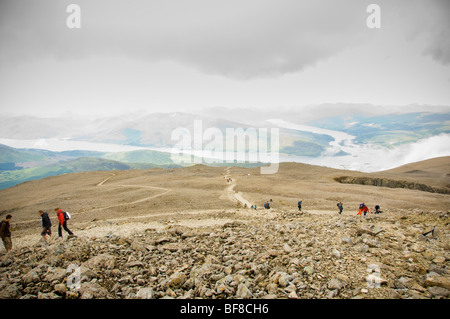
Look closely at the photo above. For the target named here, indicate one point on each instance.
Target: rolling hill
(82, 164)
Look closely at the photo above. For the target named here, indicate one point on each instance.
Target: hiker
(63, 218)
(300, 205)
(46, 225)
(360, 209)
(5, 233)
(341, 207)
(267, 205)
(365, 209)
(377, 209)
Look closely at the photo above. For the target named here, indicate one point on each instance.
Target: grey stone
(145, 293)
(243, 292)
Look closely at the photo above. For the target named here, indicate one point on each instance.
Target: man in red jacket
(62, 222)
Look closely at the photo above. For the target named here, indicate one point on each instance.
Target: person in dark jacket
(340, 207)
(5, 233)
(62, 222)
(46, 225)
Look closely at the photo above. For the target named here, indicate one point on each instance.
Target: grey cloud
(439, 43)
(238, 39)
(427, 23)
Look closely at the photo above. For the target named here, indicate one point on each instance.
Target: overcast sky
(184, 55)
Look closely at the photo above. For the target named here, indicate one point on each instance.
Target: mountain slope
(437, 166)
(13, 155)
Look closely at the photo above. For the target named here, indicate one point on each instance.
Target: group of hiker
(63, 217)
(267, 204)
(363, 209)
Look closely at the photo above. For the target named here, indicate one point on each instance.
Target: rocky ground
(281, 254)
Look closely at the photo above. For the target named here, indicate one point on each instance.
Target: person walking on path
(62, 218)
(300, 205)
(341, 207)
(360, 210)
(377, 209)
(5, 233)
(365, 209)
(46, 225)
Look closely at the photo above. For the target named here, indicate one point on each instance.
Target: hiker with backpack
(377, 209)
(341, 207)
(360, 210)
(5, 233)
(363, 209)
(299, 205)
(46, 225)
(63, 217)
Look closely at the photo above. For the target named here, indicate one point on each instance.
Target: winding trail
(141, 220)
(163, 189)
(102, 184)
(106, 179)
(229, 192)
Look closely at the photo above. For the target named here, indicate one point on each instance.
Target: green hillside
(144, 156)
(82, 164)
(13, 155)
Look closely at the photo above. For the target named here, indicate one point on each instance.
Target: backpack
(66, 215)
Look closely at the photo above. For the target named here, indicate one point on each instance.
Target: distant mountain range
(39, 147)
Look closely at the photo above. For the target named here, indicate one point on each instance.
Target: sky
(187, 55)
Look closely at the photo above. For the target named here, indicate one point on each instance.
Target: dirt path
(106, 179)
(102, 184)
(165, 191)
(229, 192)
